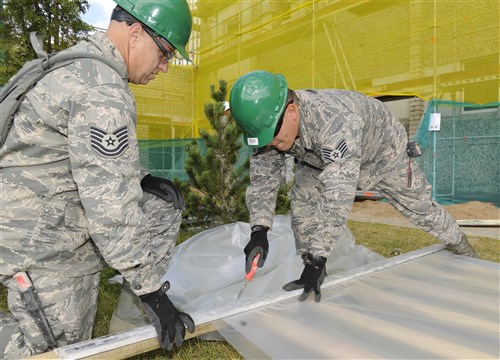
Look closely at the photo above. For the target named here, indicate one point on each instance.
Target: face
(289, 130)
(146, 59)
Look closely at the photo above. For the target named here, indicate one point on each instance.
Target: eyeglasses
(167, 54)
(280, 120)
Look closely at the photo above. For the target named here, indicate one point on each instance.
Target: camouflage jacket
(352, 139)
(70, 175)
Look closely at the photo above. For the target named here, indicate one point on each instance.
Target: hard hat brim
(262, 139)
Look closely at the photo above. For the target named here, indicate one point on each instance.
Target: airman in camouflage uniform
(340, 140)
(74, 196)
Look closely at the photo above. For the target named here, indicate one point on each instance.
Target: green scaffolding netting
(461, 160)
(167, 157)
(446, 50)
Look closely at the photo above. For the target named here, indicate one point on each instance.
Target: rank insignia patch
(109, 144)
(335, 154)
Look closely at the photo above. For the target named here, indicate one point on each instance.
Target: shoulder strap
(15, 90)
(68, 56)
(36, 43)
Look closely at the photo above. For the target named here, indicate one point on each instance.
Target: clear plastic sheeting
(208, 270)
(438, 306)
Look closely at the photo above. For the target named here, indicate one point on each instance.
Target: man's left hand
(163, 188)
(170, 324)
(311, 279)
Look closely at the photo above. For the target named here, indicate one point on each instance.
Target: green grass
(393, 240)
(194, 349)
(385, 240)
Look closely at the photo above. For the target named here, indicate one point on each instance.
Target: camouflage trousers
(128, 313)
(413, 202)
(70, 303)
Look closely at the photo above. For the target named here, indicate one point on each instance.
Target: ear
(293, 112)
(135, 33)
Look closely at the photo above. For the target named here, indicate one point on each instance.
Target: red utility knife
(249, 275)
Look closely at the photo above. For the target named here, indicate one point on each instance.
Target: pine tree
(215, 192)
(59, 22)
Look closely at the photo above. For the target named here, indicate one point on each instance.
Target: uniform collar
(304, 136)
(106, 46)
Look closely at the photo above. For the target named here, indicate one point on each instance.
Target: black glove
(312, 277)
(170, 324)
(258, 244)
(164, 189)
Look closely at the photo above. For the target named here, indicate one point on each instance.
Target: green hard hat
(170, 19)
(257, 101)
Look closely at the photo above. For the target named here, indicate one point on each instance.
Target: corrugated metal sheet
(426, 304)
(435, 307)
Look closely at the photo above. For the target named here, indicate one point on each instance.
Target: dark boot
(463, 247)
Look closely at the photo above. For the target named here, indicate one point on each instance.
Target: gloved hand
(164, 189)
(258, 244)
(312, 277)
(170, 324)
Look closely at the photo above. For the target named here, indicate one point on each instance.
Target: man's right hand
(170, 324)
(258, 244)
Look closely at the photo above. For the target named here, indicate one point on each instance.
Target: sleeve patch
(109, 144)
(336, 154)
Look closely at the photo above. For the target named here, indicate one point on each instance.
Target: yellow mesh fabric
(447, 50)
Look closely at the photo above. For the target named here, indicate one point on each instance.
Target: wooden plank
(143, 339)
(144, 346)
(479, 223)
